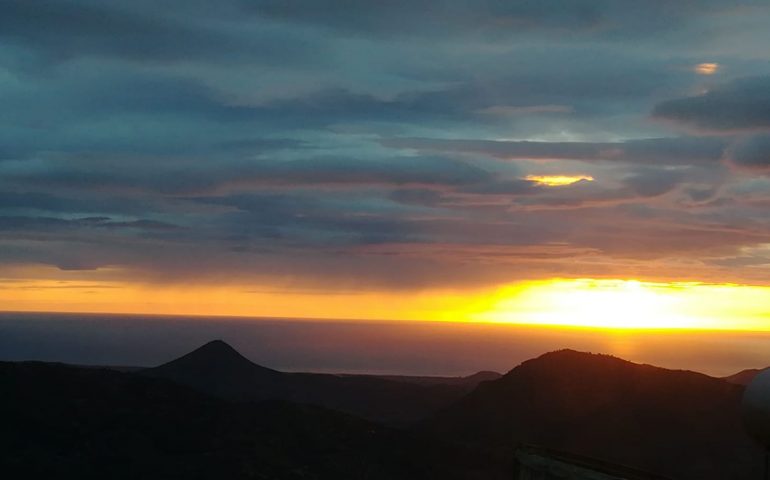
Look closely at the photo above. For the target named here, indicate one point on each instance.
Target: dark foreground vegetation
(67, 422)
(214, 414)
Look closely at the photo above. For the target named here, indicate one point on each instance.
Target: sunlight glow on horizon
(632, 304)
(614, 304)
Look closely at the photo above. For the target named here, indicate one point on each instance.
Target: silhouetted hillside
(82, 423)
(744, 377)
(217, 369)
(678, 423)
(73, 422)
(468, 382)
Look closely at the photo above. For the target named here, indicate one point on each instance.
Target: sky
(451, 160)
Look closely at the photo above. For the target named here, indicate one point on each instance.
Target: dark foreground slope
(744, 377)
(678, 423)
(217, 369)
(66, 422)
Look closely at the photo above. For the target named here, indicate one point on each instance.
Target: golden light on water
(708, 68)
(557, 180)
(632, 304)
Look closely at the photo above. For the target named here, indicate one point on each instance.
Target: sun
(610, 304)
(630, 304)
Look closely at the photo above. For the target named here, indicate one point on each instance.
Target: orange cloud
(706, 68)
(557, 180)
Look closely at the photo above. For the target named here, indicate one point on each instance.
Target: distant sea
(361, 346)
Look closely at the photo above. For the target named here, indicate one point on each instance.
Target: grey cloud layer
(661, 151)
(752, 153)
(359, 143)
(58, 31)
(743, 104)
(486, 16)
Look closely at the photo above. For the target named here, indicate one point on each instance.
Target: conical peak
(217, 345)
(217, 349)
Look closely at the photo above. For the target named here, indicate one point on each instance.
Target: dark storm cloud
(503, 186)
(40, 201)
(115, 92)
(654, 182)
(61, 30)
(81, 202)
(752, 153)
(18, 223)
(404, 16)
(489, 17)
(417, 196)
(584, 193)
(534, 84)
(300, 140)
(665, 151)
(394, 170)
(262, 218)
(188, 106)
(743, 104)
(189, 176)
(70, 28)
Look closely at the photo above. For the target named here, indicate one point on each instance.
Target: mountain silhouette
(215, 351)
(215, 414)
(79, 423)
(218, 369)
(744, 377)
(678, 423)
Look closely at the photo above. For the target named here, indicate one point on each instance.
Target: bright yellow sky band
(595, 303)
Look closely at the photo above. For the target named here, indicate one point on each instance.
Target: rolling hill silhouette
(218, 369)
(744, 377)
(678, 423)
(215, 414)
(79, 423)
